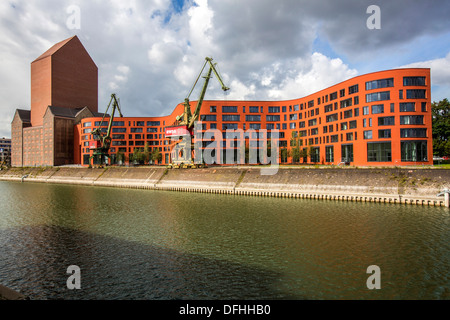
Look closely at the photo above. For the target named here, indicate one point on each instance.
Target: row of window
(411, 151)
(404, 133)
(389, 82)
(122, 124)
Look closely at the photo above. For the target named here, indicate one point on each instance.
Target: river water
(140, 244)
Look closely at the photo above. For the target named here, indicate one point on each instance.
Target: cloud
(150, 52)
(440, 75)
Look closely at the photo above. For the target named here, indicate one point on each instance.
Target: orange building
(377, 119)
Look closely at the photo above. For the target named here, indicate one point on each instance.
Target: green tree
(156, 155)
(441, 127)
(146, 154)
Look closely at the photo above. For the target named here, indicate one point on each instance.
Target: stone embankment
(419, 186)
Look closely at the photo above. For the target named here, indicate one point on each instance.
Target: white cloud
(150, 55)
(440, 76)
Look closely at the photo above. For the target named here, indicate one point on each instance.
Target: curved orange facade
(377, 119)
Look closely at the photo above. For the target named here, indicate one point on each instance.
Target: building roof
(70, 112)
(55, 48)
(24, 115)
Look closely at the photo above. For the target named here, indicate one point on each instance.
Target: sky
(149, 52)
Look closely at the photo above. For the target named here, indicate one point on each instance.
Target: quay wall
(418, 186)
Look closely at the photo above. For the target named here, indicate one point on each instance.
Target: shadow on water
(36, 261)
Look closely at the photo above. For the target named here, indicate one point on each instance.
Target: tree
(156, 155)
(441, 127)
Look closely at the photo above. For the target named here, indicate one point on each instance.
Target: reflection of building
(382, 118)
(64, 89)
(5, 151)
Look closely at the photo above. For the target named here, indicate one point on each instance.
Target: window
(378, 96)
(284, 108)
(346, 103)
(333, 96)
(384, 134)
(328, 108)
(329, 154)
(104, 124)
(416, 94)
(140, 123)
(378, 84)
(293, 117)
(332, 117)
(414, 81)
(379, 152)
(274, 110)
(231, 126)
(379, 108)
(311, 104)
(313, 122)
(119, 130)
(314, 131)
(424, 107)
(153, 130)
(411, 120)
(347, 152)
(365, 111)
(315, 154)
(270, 126)
(292, 125)
(231, 118)
(296, 107)
(153, 123)
(349, 136)
(213, 126)
(253, 109)
(356, 112)
(368, 134)
(255, 126)
(413, 133)
(392, 107)
(89, 130)
(208, 117)
(334, 138)
(353, 124)
(342, 93)
(353, 89)
(272, 118)
(212, 109)
(87, 124)
(136, 130)
(356, 100)
(407, 107)
(229, 109)
(253, 118)
(400, 94)
(348, 114)
(344, 126)
(414, 151)
(386, 121)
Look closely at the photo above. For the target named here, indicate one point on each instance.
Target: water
(138, 244)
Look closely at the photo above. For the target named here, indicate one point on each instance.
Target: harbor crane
(102, 138)
(184, 124)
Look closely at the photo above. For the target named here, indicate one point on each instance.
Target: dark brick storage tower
(64, 90)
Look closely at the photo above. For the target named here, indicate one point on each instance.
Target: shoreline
(398, 185)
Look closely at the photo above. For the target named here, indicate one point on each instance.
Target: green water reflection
(307, 249)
